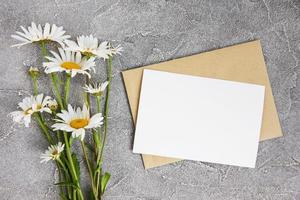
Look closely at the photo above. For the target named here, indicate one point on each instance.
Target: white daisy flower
(53, 152)
(24, 116)
(116, 50)
(89, 46)
(76, 121)
(70, 62)
(30, 105)
(35, 33)
(52, 104)
(96, 88)
(40, 104)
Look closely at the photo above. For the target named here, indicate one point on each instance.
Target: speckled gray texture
(151, 32)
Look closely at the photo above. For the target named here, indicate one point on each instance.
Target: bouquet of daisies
(60, 122)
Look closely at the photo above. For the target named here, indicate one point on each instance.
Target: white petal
(46, 30)
(62, 126)
(79, 133)
(95, 121)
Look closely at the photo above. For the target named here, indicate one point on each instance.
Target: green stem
(56, 90)
(67, 88)
(44, 49)
(74, 195)
(89, 168)
(98, 103)
(35, 87)
(71, 140)
(69, 156)
(73, 171)
(62, 165)
(43, 127)
(66, 175)
(58, 136)
(109, 75)
(97, 137)
(85, 99)
(54, 77)
(87, 81)
(99, 111)
(60, 177)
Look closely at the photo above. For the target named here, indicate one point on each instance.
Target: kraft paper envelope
(242, 63)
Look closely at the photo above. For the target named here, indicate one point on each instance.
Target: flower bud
(33, 71)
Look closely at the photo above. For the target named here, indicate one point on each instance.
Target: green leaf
(104, 180)
(76, 165)
(67, 184)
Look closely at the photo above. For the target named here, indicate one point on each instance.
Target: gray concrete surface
(151, 32)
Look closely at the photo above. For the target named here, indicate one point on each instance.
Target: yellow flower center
(55, 152)
(88, 53)
(39, 106)
(55, 155)
(70, 65)
(53, 107)
(28, 111)
(78, 123)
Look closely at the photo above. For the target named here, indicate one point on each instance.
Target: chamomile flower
(30, 105)
(35, 33)
(40, 103)
(52, 104)
(89, 46)
(53, 152)
(96, 89)
(69, 62)
(77, 121)
(23, 116)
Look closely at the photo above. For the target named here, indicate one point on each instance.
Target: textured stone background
(151, 32)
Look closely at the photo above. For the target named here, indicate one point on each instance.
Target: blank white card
(200, 119)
